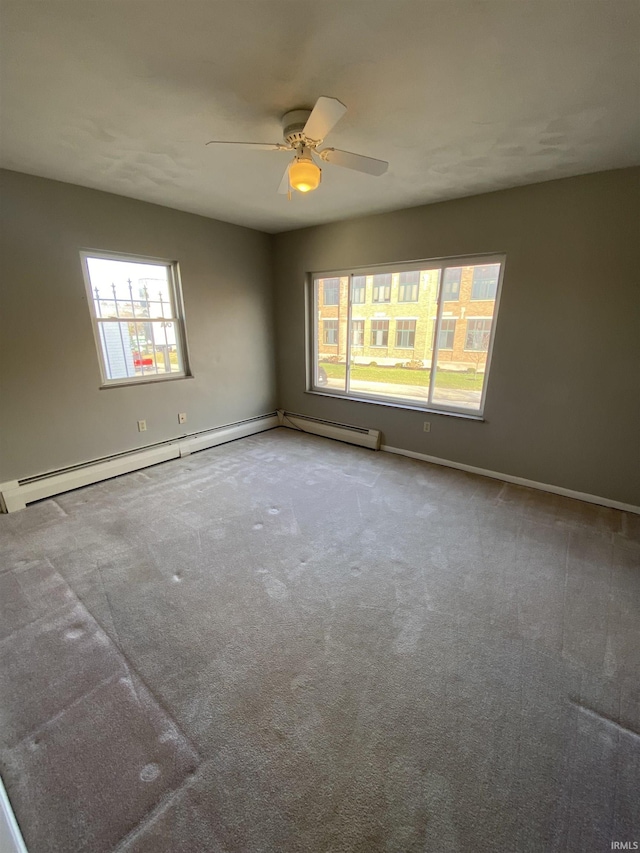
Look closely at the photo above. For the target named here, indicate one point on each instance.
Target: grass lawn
(402, 376)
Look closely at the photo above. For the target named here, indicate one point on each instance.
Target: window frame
(178, 317)
(423, 265)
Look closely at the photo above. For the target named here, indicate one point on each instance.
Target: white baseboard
(11, 840)
(519, 481)
(342, 432)
(16, 494)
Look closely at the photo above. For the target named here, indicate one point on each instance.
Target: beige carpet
(290, 644)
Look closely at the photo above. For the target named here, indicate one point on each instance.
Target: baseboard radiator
(342, 432)
(16, 494)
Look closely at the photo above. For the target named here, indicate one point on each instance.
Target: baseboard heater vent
(342, 432)
(16, 494)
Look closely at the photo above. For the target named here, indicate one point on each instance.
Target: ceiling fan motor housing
(293, 124)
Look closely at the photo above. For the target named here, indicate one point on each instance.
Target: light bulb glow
(304, 175)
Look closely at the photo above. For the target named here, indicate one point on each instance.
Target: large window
(138, 321)
(439, 358)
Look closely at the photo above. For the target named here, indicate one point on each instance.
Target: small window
(357, 333)
(446, 334)
(408, 287)
(331, 291)
(485, 281)
(382, 287)
(379, 333)
(136, 308)
(330, 332)
(405, 334)
(451, 284)
(478, 335)
(358, 289)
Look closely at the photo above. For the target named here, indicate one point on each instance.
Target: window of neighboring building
(330, 332)
(446, 334)
(382, 288)
(357, 333)
(408, 286)
(405, 334)
(442, 355)
(331, 291)
(379, 333)
(138, 319)
(485, 281)
(451, 284)
(478, 334)
(358, 289)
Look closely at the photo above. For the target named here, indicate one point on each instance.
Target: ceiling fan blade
(325, 115)
(354, 161)
(283, 189)
(264, 146)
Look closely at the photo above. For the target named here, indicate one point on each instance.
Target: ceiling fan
(303, 132)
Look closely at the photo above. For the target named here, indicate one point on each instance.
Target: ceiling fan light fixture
(304, 175)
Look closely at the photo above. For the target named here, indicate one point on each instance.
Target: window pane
(331, 333)
(117, 350)
(464, 338)
(395, 360)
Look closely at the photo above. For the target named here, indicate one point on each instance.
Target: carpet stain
(149, 772)
(275, 588)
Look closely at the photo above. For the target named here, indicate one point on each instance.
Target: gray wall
(562, 404)
(52, 413)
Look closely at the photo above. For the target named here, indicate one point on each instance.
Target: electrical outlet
(182, 417)
(427, 426)
(142, 426)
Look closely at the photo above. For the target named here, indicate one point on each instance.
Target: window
(357, 333)
(331, 291)
(485, 282)
(379, 333)
(440, 355)
(405, 333)
(478, 333)
(382, 288)
(137, 315)
(446, 334)
(451, 284)
(358, 289)
(409, 285)
(330, 332)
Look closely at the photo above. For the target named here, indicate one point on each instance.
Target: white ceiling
(460, 97)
